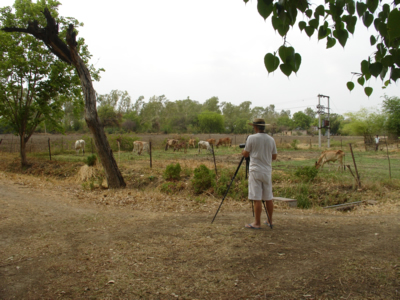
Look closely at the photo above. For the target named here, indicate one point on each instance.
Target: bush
(172, 187)
(295, 144)
(172, 172)
(203, 179)
(307, 174)
(222, 184)
(91, 160)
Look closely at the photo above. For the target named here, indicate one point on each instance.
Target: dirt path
(55, 245)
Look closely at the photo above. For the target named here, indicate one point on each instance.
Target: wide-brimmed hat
(258, 122)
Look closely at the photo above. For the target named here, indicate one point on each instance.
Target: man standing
(376, 143)
(261, 149)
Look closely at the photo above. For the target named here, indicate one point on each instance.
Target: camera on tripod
(242, 145)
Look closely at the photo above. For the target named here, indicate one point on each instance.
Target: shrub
(203, 179)
(307, 173)
(91, 160)
(172, 187)
(294, 144)
(222, 184)
(172, 172)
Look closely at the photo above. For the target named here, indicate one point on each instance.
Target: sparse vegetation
(173, 172)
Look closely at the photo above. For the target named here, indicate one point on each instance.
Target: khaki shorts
(260, 186)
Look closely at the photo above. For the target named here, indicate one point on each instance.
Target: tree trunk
(113, 174)
(69, 54)
(22, 150)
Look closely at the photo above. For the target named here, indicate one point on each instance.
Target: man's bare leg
(270, 209)
(257, 214)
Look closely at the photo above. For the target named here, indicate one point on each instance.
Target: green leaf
(375, 69)
(372, 5)
(351, 7)
(330, 42)
(342, 35)
(276, 22)
(302, 25)
(367, 19)
(319, 11)
(264, 9)
(283, 29)
(350, 85)
(271, 62)
(393, 24)
(309, 13)
(395, 74)
(286, 69)
(387, 61)
(245, 1)
(297, 62)
(368, 91)
(309, 30)
(361, 8)
(372, 40)
(351, 24)
(361, 80)
(323, 32)
(365, 67)
(383, 72)
(314, 23)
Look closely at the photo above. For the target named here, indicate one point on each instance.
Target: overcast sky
(201, 49)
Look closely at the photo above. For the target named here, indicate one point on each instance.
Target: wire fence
(383, 163)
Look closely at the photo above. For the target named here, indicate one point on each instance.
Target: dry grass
(60, 240)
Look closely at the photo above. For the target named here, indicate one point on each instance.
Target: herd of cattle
(140, 146)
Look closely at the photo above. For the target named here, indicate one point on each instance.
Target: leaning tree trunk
(22, 150)
(69, 54)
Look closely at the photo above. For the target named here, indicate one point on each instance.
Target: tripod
(226, 193)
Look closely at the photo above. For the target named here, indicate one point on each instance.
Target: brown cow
(330, 156)
(211, 141)
(139, 146)
(224, 142)
(192, 142)
(170, 143)
(180, 146)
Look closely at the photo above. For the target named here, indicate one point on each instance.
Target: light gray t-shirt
(261, 147)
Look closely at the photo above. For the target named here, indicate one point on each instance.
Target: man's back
(261, 147)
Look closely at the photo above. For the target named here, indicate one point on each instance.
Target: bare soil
(59, 241)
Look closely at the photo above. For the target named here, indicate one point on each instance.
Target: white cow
(80, 144)
(204, 145)
(330, 156)
(139, 146)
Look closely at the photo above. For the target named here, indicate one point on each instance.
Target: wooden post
(91, 142)
(387, 153)
(49, 148)
(62, 144)
(215, 165)
(355, 167)
(119, 151)
(12, 139)
(151, 161)
(310, 144)
(341, 144)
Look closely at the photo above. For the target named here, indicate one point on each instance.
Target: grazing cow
(204, 145)
(192, 142)
(211, 141)
(80, 144)
(171, 143)
(139, 146)
(224, 142)
(180, 146)
(330, 156)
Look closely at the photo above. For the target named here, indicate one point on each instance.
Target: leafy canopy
(333, 22)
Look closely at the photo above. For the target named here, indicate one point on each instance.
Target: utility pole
(327, 124)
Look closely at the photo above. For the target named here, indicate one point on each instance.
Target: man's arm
(245, 153)
(274, 156)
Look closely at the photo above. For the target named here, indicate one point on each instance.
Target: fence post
(91, 142)
(119, 151)
(355, 167)
(151, 161)
(215, 165)
(49, 148)
(11, 148)
(387, 153)
(62, 145)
